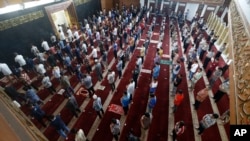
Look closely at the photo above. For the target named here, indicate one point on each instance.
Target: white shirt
(20, 60)
(40, 69)
(45, 45)
(98, 37)
(159, 45)
(154, 84)
(194, 67)
(62, 37)
(111, 77)
(131, 88)
(84, 47)
(34, 50)
(4, 68)
(94, 53)
(70, 34)
(76, 34)
(139, 62)
(56, 72)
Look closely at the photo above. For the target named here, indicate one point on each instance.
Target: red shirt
(178, 99)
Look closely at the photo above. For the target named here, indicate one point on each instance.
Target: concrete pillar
(176, 8)
(161, 5)
(216, 9)
(224, 13)
(203, 10)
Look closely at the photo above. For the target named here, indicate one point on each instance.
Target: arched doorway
(63, 14)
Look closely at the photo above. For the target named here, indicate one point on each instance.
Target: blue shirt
(125, 101)
(156, 71)
(32, 96)
(119, 65)
(152, 102)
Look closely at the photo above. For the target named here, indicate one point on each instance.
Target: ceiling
(4, 3)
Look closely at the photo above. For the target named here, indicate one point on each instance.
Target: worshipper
(104, 59)
(216, 75)
(176, 69)
(97, 105)
(115, 49)
(156, 70)
(46, 82)
(212, 41)
(125, 100)
(179, 129)
(6, 71)
(59, 125)
(200, 97)
(115, 128)
(135, 74)
(45, 45)
(78, 72)
(26, 81)
(211, 67)
(111, 79)
(177, 82)
(130, 89)
(40, 69)
(87, 64)
(139, 62)
(34, 50)
(153, 85)
(68, 63)
(51, 59)
(193, 69)
(119, 68)
(207, 121)
(80, 136)
(87, 83)
(94, 53)
(20, 60)
(179, 96)
(12, 92)
(186, 41)
(98, 70)
(32, 97)
(151, 102)
(203, 49)
(65, 83)
(208, 58)
(38, 114)
(56, 72)
(223, 89)
(62, 36)
(145, 124)
(72, 105)
(196, 77)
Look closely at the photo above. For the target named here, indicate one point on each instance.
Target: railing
(32, 130)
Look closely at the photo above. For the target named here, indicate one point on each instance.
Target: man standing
(145, 123)
(4, 68)
(73, 106)
(125, 102)
(178, 100)
(131, 89)
(115, 128)
(98, 70)
(97, 105)
(64, 81)
(151, 102)
(48, 85)
(111, 79)
(20, 60)
(38, 114)
(177, 82)
(156, 70)
(45, 45)
(59, 125)
(87, 83)
(119, 68)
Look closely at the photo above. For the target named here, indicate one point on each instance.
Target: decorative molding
(13, 22)
(239, 71)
